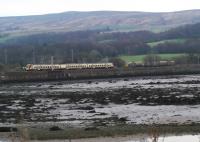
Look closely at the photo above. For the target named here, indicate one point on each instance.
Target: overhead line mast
(6, 56)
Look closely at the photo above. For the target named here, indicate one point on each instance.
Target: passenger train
(40, 67)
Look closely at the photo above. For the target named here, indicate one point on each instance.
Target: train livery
(40, 67)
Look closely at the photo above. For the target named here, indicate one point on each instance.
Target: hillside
(95, 45)
(110, 20)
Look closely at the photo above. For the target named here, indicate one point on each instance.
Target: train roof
(69, 64)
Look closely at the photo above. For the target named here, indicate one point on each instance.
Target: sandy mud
(142, 100)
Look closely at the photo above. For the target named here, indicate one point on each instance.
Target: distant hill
(109, 20)
(175, 35)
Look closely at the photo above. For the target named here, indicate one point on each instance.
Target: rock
(92, 111)
(86, 108)
(55, 128)
(123, 119)
(8, 129)
(91, 129)
(89, 82)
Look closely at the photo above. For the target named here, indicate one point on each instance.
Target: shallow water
(184, 138)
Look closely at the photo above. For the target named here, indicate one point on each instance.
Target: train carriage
(40, 67)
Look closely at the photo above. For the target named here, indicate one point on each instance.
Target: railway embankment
(30, 76)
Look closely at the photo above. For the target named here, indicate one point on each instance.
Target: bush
(117, 62)
(55, 128)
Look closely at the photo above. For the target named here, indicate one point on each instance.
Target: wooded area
(96, 45)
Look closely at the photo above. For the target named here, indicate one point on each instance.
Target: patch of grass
(140, 58)
(179, 41)
(13, 36)
(4, 39)
(135, 58)
(170, 56)
(106, 41)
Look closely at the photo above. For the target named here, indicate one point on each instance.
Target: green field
(2, 40)
(179, 41)
(140, 58)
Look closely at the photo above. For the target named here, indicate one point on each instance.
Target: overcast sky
(35, 7)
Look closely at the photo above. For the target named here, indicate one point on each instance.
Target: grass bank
(111, 131)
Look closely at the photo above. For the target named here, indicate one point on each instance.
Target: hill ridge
(114, 20)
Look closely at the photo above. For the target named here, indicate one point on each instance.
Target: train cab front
(28, 67)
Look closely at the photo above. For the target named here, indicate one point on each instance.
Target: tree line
(95, 45)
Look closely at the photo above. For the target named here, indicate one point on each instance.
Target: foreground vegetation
(56, 132)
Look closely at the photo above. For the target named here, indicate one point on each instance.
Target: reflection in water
(185, 138)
